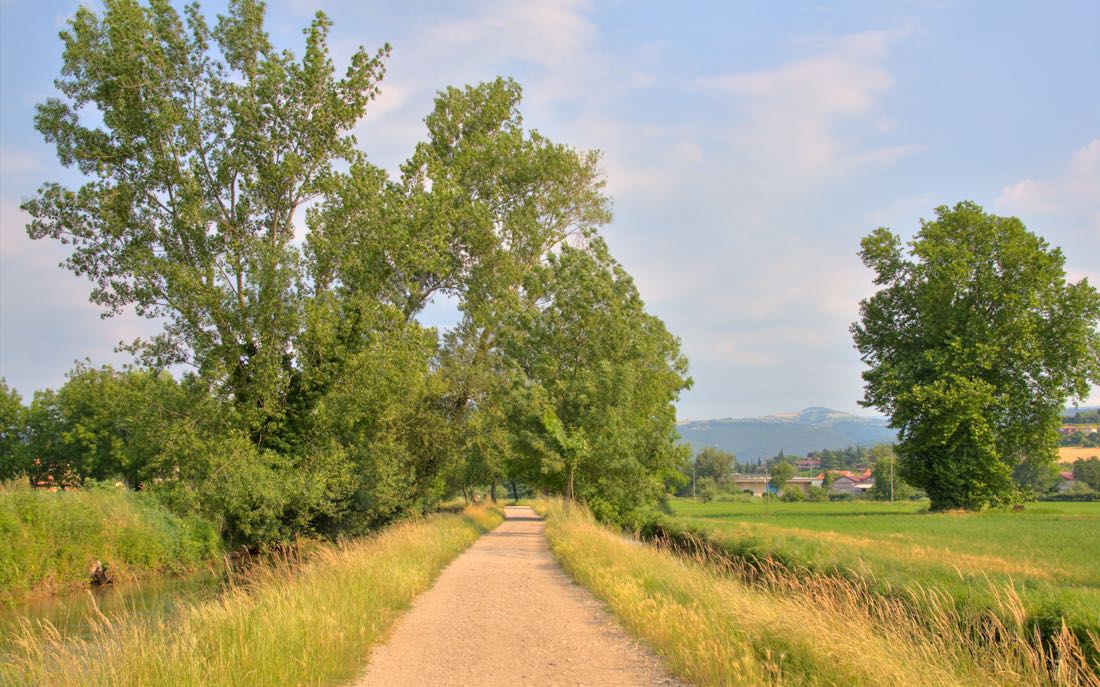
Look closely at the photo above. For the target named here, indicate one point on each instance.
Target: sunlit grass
(714, 628)
(1049, 553)
(309, 623)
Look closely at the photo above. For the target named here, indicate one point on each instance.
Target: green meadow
(1048, 554)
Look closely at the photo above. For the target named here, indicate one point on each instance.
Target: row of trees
(313, 399)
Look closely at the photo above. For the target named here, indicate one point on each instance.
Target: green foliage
(1083, 417)
(12, 427)
(817, 494)
(793, 494)
(51, 539)
(603, 375)
(780, 474)
(715, 463)
(1088, 472)
(889, 486)
(317, 403)
(706, 488)
(974, 342)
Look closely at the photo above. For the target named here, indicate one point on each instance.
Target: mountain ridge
(809, 429)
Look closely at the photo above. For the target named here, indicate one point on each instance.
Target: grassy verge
(295, 624)
(1047, 553)
(715, 629)
(50, 540)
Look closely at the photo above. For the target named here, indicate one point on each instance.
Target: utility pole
(892, 461)
(693, 480)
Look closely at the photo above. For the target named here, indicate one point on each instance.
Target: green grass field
(1049, 552)
(781, 628)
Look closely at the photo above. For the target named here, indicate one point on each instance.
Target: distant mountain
(751, 439)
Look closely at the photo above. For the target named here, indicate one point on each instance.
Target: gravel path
(505, 612)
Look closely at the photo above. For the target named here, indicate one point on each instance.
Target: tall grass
(1048, 553)
(714, 628)
(299, 623)
(50, 540)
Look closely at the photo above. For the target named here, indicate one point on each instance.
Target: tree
(199, 161)
(12, 430)
(714, 463)
(888, 486)
(599, 376)
(974, 342)
(1088, 472)
(781, 473)
(707, 489)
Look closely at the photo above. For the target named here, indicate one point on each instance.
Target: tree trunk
(465, 494)
(515, 492)
(569, 484)
(493, 491)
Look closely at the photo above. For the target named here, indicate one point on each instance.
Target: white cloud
(1076, 191)
(789, 117)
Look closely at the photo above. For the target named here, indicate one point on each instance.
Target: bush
(53, 538)
(817, 494)
(706, 489)
(840, 497)
(793, 494)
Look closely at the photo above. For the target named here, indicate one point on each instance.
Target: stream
(73, 613)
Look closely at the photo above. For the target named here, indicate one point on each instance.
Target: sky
(747, 146)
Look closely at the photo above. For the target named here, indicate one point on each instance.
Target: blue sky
(748, 147)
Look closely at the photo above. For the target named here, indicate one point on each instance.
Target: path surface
(504, 612)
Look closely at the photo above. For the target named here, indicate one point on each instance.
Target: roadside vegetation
(712, 627)
(53, 540)
(1046, 554)
(295, 623)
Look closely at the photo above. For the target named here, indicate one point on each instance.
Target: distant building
(810, 462)
(1067, 480)
(848, 482)
(758, 484)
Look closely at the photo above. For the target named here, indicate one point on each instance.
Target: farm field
(1049, 553)
(1070, 454)
(787, 629)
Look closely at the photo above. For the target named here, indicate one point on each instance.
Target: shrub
(706, 489)
(793, 494)
(53, 538)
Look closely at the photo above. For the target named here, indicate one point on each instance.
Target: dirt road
(505, 612)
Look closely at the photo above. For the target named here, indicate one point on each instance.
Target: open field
(1070, 454)
(296, 624)
(1049, 552)
(787, 629)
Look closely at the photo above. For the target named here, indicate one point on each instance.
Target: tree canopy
(974, 342)
(225, 197)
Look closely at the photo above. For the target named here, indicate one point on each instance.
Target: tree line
(311, 398)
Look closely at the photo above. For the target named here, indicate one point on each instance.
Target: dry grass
(1071, 454)
(293, 624)
(714, 628)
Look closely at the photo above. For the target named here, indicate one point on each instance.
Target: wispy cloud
(796, 119)
(1076, 191)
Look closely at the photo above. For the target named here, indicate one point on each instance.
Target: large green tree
(201, 144)
(600, 376)
(974, 342)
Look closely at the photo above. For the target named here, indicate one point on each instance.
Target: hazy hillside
(795, 433)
